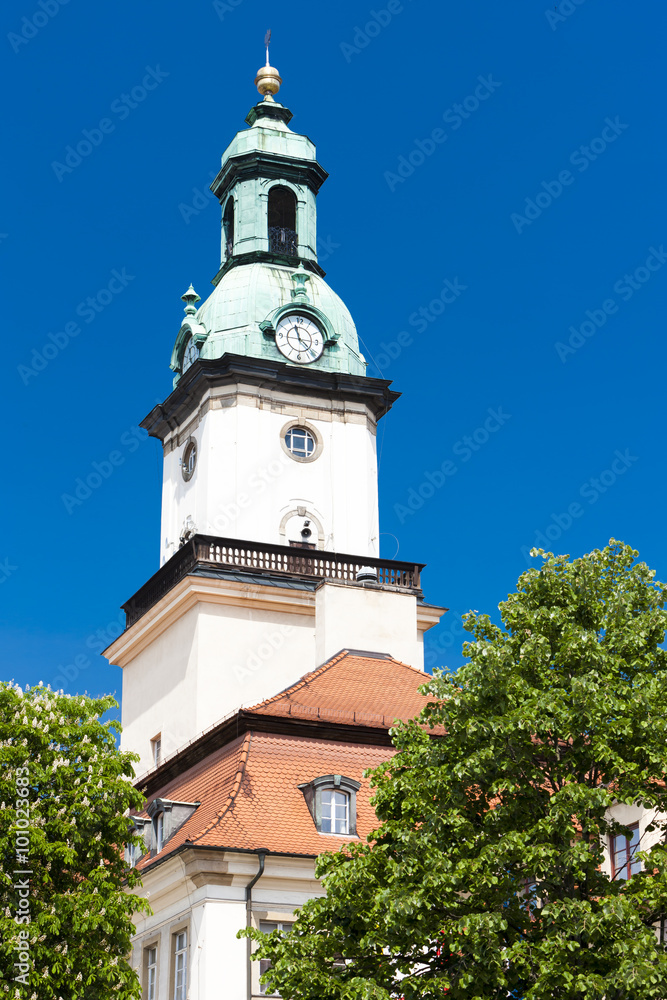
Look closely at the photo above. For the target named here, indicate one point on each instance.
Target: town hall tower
(269, 560)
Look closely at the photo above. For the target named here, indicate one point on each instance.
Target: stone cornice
(207, 374)
(193, 590)
(257, 162)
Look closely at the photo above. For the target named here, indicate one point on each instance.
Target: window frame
(630, 851)
(188, 461)
(156, 750)
(158, 831)
(147, 967)
(175, 952)
(284, 926)
(305, 425)
(134, 853)
(282, 208)
(332, 818)
(228, 225)
(304, 452)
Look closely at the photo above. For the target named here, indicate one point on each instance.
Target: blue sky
(494, 219)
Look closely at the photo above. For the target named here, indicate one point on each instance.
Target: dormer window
(282, 221)
(134, 852)
(166, 817)
(332, 801)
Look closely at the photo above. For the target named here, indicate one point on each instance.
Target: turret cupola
(270, 299)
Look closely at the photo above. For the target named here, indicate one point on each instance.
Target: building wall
(159, 691)
(245, 484)
(213, 646)
(368, 619)
(204, 892)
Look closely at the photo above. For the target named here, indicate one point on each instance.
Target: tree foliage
(486, 875)
(65, 917)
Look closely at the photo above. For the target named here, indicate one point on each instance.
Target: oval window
(189, 460)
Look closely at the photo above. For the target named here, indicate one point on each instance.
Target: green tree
(485, 877)
(65, 917)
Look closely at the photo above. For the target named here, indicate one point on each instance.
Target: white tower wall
(246, 485)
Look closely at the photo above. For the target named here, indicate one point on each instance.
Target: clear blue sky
(539, 200)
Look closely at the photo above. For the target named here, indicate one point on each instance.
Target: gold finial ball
(268, 82)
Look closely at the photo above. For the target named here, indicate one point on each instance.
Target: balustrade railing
(208, 551)
(283, 240)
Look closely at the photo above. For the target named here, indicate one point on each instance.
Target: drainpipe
(248, 918)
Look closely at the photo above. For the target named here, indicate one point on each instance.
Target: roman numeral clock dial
(299, 339)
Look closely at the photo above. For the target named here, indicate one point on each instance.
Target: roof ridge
(238, 778)
(409, 666)
(302, 680)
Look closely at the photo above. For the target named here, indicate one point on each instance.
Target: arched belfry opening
(282, 221)
(228, 226)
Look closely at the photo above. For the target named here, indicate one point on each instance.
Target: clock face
(190, 355)
(299, 339)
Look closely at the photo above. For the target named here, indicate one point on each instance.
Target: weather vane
(267, 40)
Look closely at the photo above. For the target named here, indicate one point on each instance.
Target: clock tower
(269, 560)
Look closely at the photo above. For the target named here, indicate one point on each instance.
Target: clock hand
(302, 346)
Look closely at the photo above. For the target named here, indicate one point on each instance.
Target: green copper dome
(249, 295)
(267, 186)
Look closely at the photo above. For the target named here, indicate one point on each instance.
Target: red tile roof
(250, 797)
(352, 688)
(248, 789)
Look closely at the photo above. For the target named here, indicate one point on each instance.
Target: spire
(268, 79)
